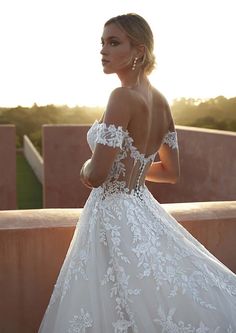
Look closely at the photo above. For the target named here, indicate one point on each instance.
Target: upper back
(150, 116)
(136, 123)
(150, 121)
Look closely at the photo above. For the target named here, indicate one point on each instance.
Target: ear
(140, 51)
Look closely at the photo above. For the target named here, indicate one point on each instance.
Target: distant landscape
(215, 113)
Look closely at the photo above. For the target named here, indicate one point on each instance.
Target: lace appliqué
(170, 326)
(118, 179)
(110, 135)
(171, 139)
(119, 279)
(79, 323)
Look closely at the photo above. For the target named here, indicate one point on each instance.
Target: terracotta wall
(208, 167)
(64, 152)
(33, 245)
(7, 167)
(207, 160)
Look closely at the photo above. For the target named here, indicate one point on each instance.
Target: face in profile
(117, 51)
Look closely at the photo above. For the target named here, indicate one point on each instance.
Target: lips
(104, 61)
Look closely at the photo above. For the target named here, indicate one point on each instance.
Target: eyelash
(115, 43)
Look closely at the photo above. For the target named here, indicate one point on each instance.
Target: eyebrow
(110, 37)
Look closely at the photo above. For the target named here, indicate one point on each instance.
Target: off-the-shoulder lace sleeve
(171, 139)
(110, 135)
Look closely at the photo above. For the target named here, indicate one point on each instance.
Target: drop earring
(134, 64)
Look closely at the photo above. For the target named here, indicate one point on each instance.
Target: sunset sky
(50, 49)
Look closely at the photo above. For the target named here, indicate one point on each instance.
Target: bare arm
(167, 170)
(95, 171)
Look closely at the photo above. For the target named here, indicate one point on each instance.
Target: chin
(107, 71)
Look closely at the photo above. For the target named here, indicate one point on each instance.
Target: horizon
(196, 100)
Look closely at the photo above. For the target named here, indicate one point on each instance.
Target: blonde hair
(139, 32)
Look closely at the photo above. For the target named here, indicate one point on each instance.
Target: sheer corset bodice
(130, 166)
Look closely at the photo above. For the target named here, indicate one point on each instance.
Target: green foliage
(29, 121)
(29, 189)
(215, 113)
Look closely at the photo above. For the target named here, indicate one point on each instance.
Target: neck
(132, 79)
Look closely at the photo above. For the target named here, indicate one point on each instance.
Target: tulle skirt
(132, 268)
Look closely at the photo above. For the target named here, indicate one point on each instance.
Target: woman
(131, 268)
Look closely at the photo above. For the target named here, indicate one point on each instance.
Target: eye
(114, 43)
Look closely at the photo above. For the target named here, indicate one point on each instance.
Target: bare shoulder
(164, 105)
(120, 106)
(123, 95)
(160, 99)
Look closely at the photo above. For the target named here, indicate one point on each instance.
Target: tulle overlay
(132, 268)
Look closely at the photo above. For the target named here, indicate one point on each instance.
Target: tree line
(29, 121)
(215, 113)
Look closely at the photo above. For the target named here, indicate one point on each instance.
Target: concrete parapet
(64, 152)
(33, 245)
(34, 158)
(7, 167)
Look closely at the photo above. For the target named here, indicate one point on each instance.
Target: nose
(103, 50)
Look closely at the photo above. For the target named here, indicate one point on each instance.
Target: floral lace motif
(79, 323)
(110, 135)
(171, 139)
(168, 325)
(119, 175)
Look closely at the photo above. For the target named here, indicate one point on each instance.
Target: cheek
(123, 58)
(122, 54)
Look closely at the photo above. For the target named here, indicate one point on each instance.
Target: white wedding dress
(131, 267)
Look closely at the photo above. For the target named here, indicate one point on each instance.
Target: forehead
(113, 30)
